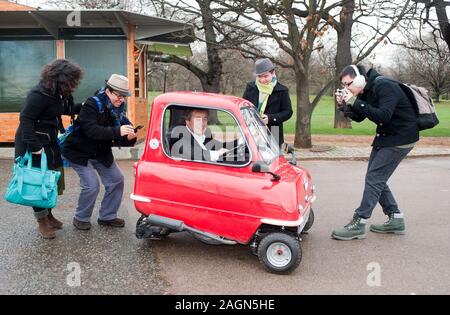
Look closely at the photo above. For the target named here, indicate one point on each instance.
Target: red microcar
(235, 188)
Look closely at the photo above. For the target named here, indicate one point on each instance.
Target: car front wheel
(280, 253)
(310, 221)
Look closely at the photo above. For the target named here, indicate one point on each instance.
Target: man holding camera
(102, 123)
(369, 95)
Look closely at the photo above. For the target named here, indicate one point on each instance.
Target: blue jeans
(382, 164)
(113, 180)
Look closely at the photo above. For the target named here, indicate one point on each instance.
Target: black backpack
(422, 103)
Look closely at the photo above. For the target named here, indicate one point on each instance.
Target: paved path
(358, 153)
(337, 152)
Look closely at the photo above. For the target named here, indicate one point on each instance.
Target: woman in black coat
(40, 120)
(270, 98)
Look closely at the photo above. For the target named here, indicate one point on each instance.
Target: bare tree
(294, 28)
(442, 25)
(204, 18)
(91, 4)
(298, 29)
(343, 52)
(375, 19)
(428, 67)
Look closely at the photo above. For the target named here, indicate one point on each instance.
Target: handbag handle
(27, 161)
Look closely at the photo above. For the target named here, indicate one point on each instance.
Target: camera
(342, 92)
(138, 127)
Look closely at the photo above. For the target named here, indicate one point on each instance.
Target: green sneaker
(395, 224)
(356, 229)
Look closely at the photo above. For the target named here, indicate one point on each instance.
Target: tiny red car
(249, 194)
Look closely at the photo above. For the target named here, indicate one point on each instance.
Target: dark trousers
(382, 164)
(113, 180)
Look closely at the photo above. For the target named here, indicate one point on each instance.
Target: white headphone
(359, 80)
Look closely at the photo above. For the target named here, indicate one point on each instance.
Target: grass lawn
(323, 120)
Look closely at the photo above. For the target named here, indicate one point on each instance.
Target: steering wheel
(235, 155)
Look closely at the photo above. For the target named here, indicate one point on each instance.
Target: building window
(99, 59)
(21, 63)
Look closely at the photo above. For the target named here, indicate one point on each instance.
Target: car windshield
(266, 143)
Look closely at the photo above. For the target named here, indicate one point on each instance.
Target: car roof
(202, 99)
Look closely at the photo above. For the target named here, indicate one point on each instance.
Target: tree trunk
(437, 98)
(343, 55)
(444, 25)
(304, 112)
(212, 86)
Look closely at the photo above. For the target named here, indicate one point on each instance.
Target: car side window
(204, 135)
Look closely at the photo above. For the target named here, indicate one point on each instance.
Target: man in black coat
(101, 124)
(270, 97)
(382, 101)
(194, 141)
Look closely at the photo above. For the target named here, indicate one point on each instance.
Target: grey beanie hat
(263, 65)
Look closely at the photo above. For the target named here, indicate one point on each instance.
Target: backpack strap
(405, 89)
(99, 103)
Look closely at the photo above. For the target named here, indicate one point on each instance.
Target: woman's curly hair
(61, 77)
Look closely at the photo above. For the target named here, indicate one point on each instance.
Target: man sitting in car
(194, 141)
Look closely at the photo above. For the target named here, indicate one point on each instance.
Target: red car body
(232, 202)
(263, 202)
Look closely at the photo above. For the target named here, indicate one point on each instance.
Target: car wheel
(280, 253)
(145, 230)
(310, 221)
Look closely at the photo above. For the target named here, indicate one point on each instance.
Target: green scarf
(265, 90)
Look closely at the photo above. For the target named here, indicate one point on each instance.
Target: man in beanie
(270, 98)
(101, 124)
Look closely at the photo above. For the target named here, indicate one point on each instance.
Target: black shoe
(81, 225)
(114, 222)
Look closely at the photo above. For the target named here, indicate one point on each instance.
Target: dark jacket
(40, 120)
(94, 135)
(183, 144)
(278, 109)
(385, 103)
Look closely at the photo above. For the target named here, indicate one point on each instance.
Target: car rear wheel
(280, 253)
(144, 230)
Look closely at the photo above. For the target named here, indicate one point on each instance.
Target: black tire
(144, 230)
(274, 263)
(139, 221)
(310, 221)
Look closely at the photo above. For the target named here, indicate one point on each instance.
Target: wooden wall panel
(141, 116)
(10, 122)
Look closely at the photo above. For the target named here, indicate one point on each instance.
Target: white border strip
(139, 198)
(283, 223)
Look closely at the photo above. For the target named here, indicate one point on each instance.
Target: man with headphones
(370, 95)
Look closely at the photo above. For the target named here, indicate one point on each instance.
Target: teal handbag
(32, 186)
